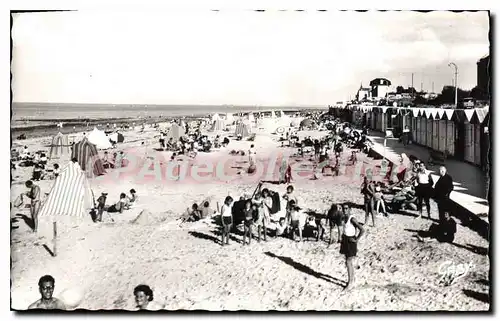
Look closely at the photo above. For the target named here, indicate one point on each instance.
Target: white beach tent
(99, 138)
(70, 195)
(229, 118)
(251, 117)
(217, 123)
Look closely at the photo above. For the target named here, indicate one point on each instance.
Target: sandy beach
(188, 269)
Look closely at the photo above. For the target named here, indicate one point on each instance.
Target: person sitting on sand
(170, 144)
(226, 219)
(281, 227)
(25, 153)
(248, 214)
(297, 220)
(43, 159)
(120, 206)
(334, 218)
(442, 232)
(133, 197)
(349, 243)
(46, 286)
(206, 211)
(192, 215)
(144, 298)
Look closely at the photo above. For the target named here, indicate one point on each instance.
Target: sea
(42, 118)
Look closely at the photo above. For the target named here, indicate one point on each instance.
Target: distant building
(364, 93)
(430, 96)
(380, 87)
(484, 75)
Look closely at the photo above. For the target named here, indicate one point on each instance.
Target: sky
(237, 57)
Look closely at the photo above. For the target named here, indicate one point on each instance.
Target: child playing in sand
(133, 197)
(56, 170)
(378, 198)
(226, 219)
(192, 215)
(101, 204)
(260, 219)
(248, 213)
(120, 206)
(206, 211)
(296, 219)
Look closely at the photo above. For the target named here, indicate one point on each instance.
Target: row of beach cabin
(461, 133)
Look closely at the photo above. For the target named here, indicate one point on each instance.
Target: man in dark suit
(442, 190)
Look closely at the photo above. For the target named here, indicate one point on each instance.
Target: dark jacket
(443, 187)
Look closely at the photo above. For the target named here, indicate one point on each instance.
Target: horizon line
(171, 105)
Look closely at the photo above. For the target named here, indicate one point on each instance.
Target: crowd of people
(408, 186)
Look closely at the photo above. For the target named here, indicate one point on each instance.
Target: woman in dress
(226, 219)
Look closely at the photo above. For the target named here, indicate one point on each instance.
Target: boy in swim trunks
(248, 223)
(296, 220)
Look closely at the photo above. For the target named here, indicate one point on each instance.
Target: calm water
(45, 112)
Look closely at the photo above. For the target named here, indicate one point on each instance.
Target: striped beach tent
(242, 130)
(70, 195)
(217, 125)
(88, 158)
(59, 146)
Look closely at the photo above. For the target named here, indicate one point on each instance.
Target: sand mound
(145, 217)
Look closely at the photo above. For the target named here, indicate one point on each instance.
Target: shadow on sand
(483, 297)
(26, 220)
(305, 269)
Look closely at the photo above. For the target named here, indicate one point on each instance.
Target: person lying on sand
(46, 286)
(120, 206)
(144, 298)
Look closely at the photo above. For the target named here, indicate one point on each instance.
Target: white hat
(377, 188)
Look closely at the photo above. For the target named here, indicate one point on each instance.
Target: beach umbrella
(308, 123)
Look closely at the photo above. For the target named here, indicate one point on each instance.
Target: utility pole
(432, 87)
(456, 82)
